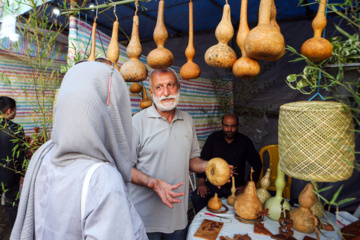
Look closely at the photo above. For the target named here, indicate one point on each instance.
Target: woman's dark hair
(6, 103)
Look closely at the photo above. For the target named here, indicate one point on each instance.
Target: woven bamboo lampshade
(315, 141)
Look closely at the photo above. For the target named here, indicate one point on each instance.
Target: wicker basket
(315, 141)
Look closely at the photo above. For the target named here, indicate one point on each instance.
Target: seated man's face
(229, 127)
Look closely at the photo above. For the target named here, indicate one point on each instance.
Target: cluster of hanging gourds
(264, 42)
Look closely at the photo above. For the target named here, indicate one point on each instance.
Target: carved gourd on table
(190, 70)
(214, 203)
(263, 193)
(113, 50)
(247, 205)
(244, 67)
(318, 49)
(302, 216)
(160, 57)
(93, 41)
(264, 42)
(134, 70)
(221, 55)
(145, 102)
(231, 198)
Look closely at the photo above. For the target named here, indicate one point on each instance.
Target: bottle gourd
(244, 67)
(160, 57)
(264, 42)
(221, 55)
(263, 193)
(145, 102)
(317, 49)
(190, 70)
(113, 50)
(134, 70)
(231, 198)
(214, 203)
(93, 41)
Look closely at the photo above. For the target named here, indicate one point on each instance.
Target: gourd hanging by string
(93, 39)
(160, 57)
(145, 102)
(264, 42)
(244, 67)
(135, 88)
(221, 55)
(190, 70)
(276, 25)
(113, 51)
(318, 49)
(134, 70)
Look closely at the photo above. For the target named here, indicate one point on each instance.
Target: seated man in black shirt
(236, 149)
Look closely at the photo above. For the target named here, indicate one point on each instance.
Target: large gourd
(93, 41)
(217, 171)
(113, 50)
(247, 205)
(274, 203)
(190, 70)
(221, 55)
(262, 193)
(264, 42)
(134, 70)
(302, 216)
(160, 57)
(318, 49)
(244, 67)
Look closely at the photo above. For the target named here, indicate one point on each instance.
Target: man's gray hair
(166, 70)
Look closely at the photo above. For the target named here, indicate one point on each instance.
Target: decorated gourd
(160, 57)
(262, 193)
(264, 42)
(318, 49)
(190, 70)
(274, 203)
(221, 55)
(246, 204)
(93, 41)
(135, 88)
(113, 50)
(134, 70)
(145, 102)
(217, 171)
(231, 198)
(244, 67)
(214, 203)
(302, 216)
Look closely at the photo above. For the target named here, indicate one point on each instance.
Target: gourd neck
(264, 11)
(160, 32)
(280, 182)
(319, 22)
(243, 27)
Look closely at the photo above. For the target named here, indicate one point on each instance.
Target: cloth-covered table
(236, 227)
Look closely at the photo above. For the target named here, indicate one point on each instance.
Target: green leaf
(336, 195)
(345, 201)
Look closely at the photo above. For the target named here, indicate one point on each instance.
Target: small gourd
(93, 41)
(244, 67)
(214, 203)
(264, 42)
(231, 198)
(145, 102)
(217, 171)
(318, 49)
(190, 70)
(135, 88)
(302, 216)
(274, 203)
(160, 57)
(221, 55)
(134, 70)
(113, 50)
(262, 193)
(247, 205)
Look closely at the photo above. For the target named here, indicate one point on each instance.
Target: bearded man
(166, 148)
(235, 148)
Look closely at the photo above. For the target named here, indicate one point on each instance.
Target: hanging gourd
(135, 88)
(318, 49)
(264, 42)
(113, 50)
(190, 70)
(93, 39)
(221, 55)
(244, 67)
(145, 102)
(134, 70)
(275, 24)
(160, 57)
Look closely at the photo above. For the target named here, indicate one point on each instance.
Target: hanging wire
(318, 85)
(115, 13)
(136, 5)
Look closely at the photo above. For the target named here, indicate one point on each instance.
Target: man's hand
(164, 190)
(202, 188)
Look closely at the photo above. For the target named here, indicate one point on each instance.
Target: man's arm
(162, 188)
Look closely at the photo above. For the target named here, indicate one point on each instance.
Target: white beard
(166, 107)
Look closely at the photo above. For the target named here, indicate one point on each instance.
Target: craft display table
(236, 227)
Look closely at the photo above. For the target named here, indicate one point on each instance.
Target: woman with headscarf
(92, 125)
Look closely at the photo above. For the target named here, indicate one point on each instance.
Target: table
(236, 227)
